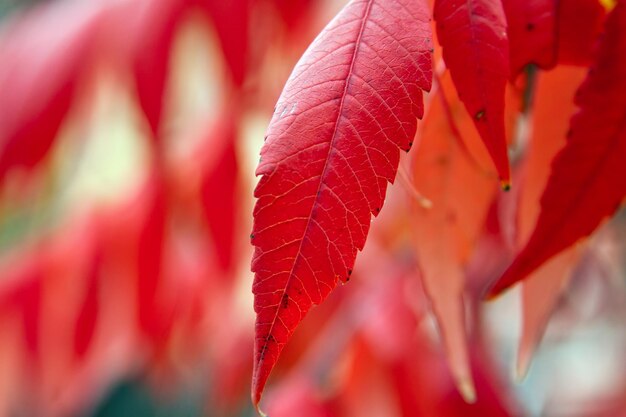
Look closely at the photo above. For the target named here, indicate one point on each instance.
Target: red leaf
(87, 318)
(219, 191)
(579, 25)
(42, 54)
(475, 48)
(332, 146)
(294, 12)
(588, 179)
(540, 293)
(446, 233)
(532, 31)
(232, 20)
(553, 103)
(147, 29)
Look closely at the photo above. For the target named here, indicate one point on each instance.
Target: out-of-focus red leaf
(42, 55)
(417, 372)
(475, 46)
(219, 192)
(134, 236)
(331, 148)
(298, 397)
(579, 26)
(588, 179)
(145, 30)
(26, 300)
(88, 313)
(294, 12)
(532, 31)
(544, 32)
(233, 365)
(232, 23)
(149, 264)
(445, 234)
(490, 393)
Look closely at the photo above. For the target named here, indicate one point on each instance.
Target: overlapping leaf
(547, 32)
(332, 146)
(579, 24)
(532, 30)
(553, 103)
(41, 63)
(232, 23)
(153, 32)
(588, 178)
(475, 46)
(445, 234)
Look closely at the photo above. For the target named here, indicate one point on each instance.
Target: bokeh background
(129, 134)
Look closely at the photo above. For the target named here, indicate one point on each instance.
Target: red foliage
(475, 47)
(126, 192)
(326, 153)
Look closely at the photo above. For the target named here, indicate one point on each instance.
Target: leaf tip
(467, 390)
(256, 399)
(523, 363)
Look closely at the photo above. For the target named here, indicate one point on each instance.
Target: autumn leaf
(588, 178)
(475, 46)
(546, 32)
(87, 318)
(232, 21)
(445, 234)
(219, 189)
(552, 105)
(532, 30)
(332, 146)
(293, 12)
(153, 34)
(579, 25)
(41, 63)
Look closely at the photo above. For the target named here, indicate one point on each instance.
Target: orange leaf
(445, 234)
(588, 178)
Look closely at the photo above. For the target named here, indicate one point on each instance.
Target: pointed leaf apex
(467, 390)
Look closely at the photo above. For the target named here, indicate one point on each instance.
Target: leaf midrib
(348, 77)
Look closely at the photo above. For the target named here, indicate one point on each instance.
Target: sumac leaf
(219, 191)
(332, 146)
(475, 46)
(42, 54)
(532, 30)
(154, 35)
(446, 233)
(579, 24)
(553, 103)
(294, 12)
(232, 24)
(588, 178)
